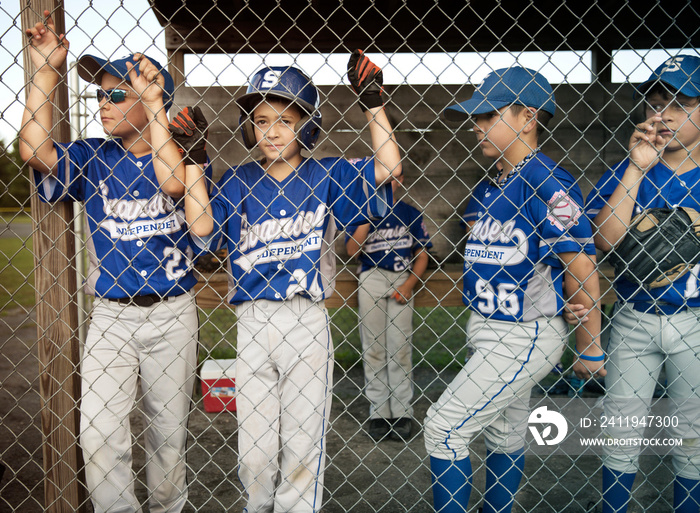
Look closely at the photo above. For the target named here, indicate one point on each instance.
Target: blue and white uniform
(386, 326)
(652, 328)
(511, 269)
(660, 188)
(136, 246)
(124, 210)
(394, 239)
(513, 285)
(279, 236)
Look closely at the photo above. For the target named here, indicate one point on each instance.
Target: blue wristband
(590, 358)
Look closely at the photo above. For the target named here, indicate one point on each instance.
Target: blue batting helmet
(288, 83)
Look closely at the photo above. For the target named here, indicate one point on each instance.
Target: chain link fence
(433, 55)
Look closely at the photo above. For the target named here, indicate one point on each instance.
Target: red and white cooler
(219, 385)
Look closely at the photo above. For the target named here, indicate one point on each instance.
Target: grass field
(16, 274)
(439, 339)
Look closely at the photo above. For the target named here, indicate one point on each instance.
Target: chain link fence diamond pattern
(333, 389)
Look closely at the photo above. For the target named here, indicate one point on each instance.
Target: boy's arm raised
(387, 159)
(614, 218)
(48, 52)
(189, 131)
(581, 277)
(167, 162)
(197, 206)
(366, 79)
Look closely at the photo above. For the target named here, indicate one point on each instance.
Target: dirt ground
(361, 476)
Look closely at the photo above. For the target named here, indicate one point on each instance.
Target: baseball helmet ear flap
(245, 122)
(308, 129)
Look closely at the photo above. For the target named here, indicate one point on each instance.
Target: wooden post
(57, 313)
(176, 66)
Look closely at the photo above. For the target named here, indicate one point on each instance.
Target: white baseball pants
(284, 376)
(157, 344)
(386, 330)
(492, 392)
(640, 344)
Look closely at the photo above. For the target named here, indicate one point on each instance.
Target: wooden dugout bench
(441, 287)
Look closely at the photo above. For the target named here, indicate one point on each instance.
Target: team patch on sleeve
(563, 212)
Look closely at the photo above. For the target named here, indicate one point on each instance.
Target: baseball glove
(190, 130)
(661, 245)
(366, 79)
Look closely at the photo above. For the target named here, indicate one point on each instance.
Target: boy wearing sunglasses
(144, 323)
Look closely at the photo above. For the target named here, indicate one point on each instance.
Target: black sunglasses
(112, 95)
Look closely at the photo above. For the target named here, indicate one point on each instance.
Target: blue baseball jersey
(660, 188)
(393, 239)
(137, 243)
(280, 234)
(511, 268)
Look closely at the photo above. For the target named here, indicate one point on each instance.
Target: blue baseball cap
(91, 69)
(681, 72)
(503, 87)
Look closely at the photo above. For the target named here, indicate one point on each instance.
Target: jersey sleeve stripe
(47, 185)
(379, 198)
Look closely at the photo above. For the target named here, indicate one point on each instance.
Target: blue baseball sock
(452, 484)
(686, 495)
(617, 488)
(503, 475)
